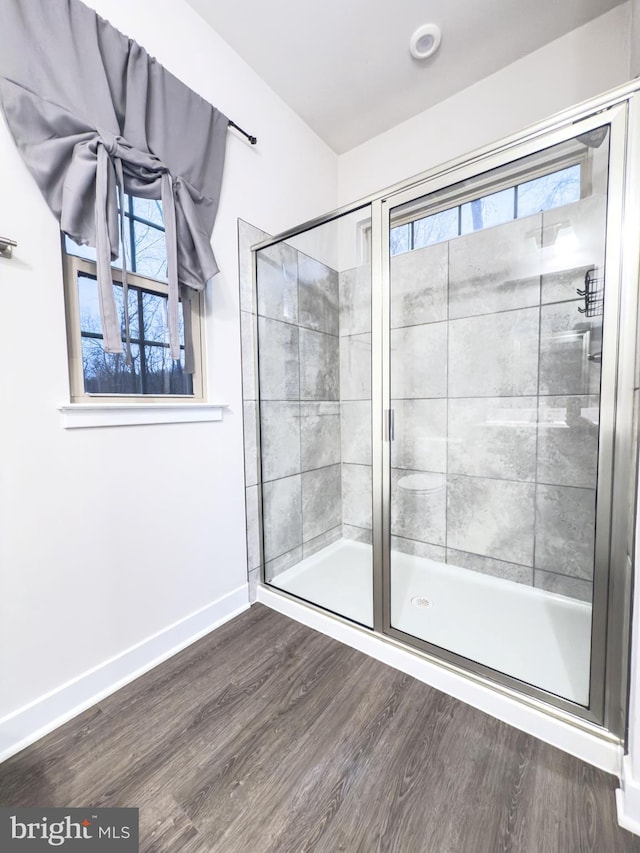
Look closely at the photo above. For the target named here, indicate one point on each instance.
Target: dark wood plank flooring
(267, 736)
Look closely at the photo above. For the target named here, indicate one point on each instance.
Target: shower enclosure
(445, 395)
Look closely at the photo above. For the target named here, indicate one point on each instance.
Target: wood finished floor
(267, 736)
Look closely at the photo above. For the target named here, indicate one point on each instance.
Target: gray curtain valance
(92, 112)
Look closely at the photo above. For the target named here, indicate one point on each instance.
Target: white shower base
(536, 636)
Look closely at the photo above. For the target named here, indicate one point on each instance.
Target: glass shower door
(496, 305)
(314, 359)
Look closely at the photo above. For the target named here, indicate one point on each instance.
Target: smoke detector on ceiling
(425, 41)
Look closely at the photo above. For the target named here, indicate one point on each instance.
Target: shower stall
(445, 417)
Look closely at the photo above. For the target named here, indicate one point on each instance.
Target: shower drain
(421, 601)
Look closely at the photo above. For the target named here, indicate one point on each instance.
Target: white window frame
(72, 267)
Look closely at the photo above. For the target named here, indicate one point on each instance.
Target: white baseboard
(628, 798)
(584, 742)
(28, 724)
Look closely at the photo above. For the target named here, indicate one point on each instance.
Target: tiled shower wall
(299, 405)
(297, 321)
(495, 382)
(355, 402)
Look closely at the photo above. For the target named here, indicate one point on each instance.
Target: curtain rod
(252, 139)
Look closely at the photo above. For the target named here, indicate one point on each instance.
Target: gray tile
(420, 435)
(251, 466)
(254, 580)
(321, 501)
(568, 441)
(248, 236)
(322, 541)
(279, 360)
(419, 286)
(418, 505)
(249, 362)
(493, 518)
(319, 366)
(253, 527)
(356, 495)
(493, 437)
(573, 240)
(418, 549)
(318, 296)
(562, 285)
(356, 534)
(495, 269)
(495, 355)
(282, 516)
(319, 434)
(277, 283)
(355, 301)
(419, 361)
(355, 367)
(563, 585)
(280, 564)
(280, 439)
(355, 431)
(489, 566)
(567, 340)
(565, 530)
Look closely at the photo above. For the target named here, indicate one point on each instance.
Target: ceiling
(344, 65)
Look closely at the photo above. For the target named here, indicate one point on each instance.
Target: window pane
(150, 251)
(107, 373)
(154, 312)
(489, 210)
(399, 239)
(434, 229)
(73, 248)
(89, 253)
(163, 375)
(148, 208)
(127, 244)
(90, 306)
(549, 191)
(134, 320)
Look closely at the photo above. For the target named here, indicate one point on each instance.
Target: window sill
(86, 415)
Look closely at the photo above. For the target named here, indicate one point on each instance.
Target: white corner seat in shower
(533, 635)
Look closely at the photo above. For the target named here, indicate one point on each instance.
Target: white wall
(629, 793)
(108, 536)
(578, 66)
(634, 63)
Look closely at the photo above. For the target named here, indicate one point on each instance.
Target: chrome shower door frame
(615, 445)
(617, 484)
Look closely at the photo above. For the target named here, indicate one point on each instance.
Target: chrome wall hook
(6, 247)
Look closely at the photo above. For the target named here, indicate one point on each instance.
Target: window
(541, 193)
(152, 373)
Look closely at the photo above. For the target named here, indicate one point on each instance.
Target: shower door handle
(389, 425)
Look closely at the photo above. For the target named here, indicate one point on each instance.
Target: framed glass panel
(496, 346)
(314, 354)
